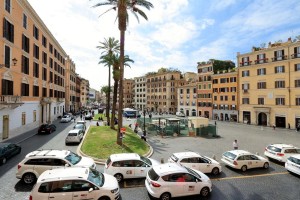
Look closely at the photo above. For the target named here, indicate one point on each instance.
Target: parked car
(281, 152)
(36, 162)
(243, 160)
(172, 180)
(75, 183)
(293, 164)
(180, 114)
(88, 117)
(66, 118)
(80, 127)
(196, 161)
(128, 165)
(46, 128)
(8, 150)
(74, 136)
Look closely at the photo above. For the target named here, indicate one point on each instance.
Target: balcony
(245, 63)
(261, 61)
(295, 55)
(245, 90)
(279, 58)
(10, 101)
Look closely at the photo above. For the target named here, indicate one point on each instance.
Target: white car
(243, 160)
(74, 136)
(196, 161)
(281, 152)
(180, 114)
(66, 118)
(293, 164)
(128, 165)
(36, 162)
(75, 183)
(172, 180)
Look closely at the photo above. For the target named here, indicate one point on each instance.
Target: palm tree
(122, 6)
(116, 77)
(109, 47)
(106, 90)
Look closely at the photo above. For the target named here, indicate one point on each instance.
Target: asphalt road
(273, 183)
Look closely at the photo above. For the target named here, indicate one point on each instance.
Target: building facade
(128, 93)
(140, 93)
(269, 85)
(70, 98)
(85, 91)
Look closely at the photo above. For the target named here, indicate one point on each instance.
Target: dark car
(47, 128)
(8, 150)
(88, 117)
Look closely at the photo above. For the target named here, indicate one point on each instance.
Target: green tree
(106, 90)
(108, 48)
(122, 7)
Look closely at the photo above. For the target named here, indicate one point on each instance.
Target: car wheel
(29, 178)
(3, 160)
(165, 196)
(244, 168)
(215, 171)
(204, 192)
(104, 198)
(119, 177)
(266, 165)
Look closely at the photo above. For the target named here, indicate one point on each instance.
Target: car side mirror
(67, 165)
(91, 189)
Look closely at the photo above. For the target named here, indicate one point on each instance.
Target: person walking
(235, 145)
(274, 126)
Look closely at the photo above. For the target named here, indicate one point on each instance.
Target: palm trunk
(108, 99)
(112, 123)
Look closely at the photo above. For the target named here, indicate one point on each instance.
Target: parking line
(253, 176)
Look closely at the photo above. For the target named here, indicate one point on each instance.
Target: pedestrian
(289, 126)
(81, 116)
(298, 127)
(235, 144)
(74, 119)
(215, 123)
(97, 124)
(274, 126)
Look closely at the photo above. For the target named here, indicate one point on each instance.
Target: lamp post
(14, 60)
(144, 131)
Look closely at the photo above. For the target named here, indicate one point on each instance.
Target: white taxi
(243, 160)
(196, 161)
(74, 136)
(128, 165)
(281, 152)
(293, 164)
(75, 183)
(172, 180)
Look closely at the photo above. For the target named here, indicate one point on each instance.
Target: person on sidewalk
(235, 145)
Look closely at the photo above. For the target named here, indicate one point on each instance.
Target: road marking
(253, 176)
(134, 185)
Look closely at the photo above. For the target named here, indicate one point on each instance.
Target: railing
(261, 61)
(279, 58)
(295, 55)
(10, 99)
(245, 63)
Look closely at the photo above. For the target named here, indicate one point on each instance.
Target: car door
(81, 189)
(127, 168)
(174, 184)
(249, 162)
(191, 186)
(140, 169)
(256, 162)
(57, 163)
(42, 164)
(204, 165)
(186, 162)
(61, 190)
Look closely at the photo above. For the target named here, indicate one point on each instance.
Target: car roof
(124, 156)
(53, 153)
(63, 173)
(186, 154)
(296, 156)
(81, 122)
(169, 168)
(239, 152)
(4, 144)
(283, 145)
(74, 131)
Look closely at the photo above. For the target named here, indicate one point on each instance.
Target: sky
(177, 34)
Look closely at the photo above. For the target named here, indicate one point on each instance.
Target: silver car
(74, 136)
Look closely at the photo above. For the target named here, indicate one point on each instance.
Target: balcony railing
(295, 55)
(245, 63)
(10, 101)
(261, 61)
(279, 58)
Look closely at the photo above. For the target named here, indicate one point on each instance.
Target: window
(297, 83)
(297, 67)
(246, 86)
(23, 118)
(24, 21)
(232, 79)
(7, 5)
(44, 41)
(278, 55)
(233, 97)
(36, 51)
(51, 48)
(245, 100)
(35, 91)
(34, 115)
(44, 92)
(7, 87)
(44, 58)
(261, 85)
(232, 89)
(7, 56)
(280, 101)
(44, 76)
(24, 89)
(35, 32)
(260, 101)
(25, 65)
(297, 101)
(61, 186)
(8, 30)
(245, 73)
(245, 61)
(35, 69)
(279, 69)
(261, 58)
(25, 43)
(261, 71)
(215, 98)
(279, 84)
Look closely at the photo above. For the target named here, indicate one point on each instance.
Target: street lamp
(14, 60)
(144, 131)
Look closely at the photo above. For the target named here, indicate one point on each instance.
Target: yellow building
(32, 70)
(128, 93)
(84, 95)
(70, 86)
(269, 85)
(225, 95)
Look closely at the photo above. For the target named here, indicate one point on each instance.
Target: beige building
(128, 91)
(84, 89)
(162, 90)
(70, 86)
(139, 93)
(269, 85)
(187, 94)
(225, 95)
(205, 72)
(32, 70)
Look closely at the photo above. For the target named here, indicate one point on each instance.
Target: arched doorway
(262, 119)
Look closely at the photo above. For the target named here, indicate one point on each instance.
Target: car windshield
(193, 173)
(229, 155)
(78, 126)
(146, 160)
(72, 134)
(73, 158)
(153, 175)
(272, 148)
(96, 177)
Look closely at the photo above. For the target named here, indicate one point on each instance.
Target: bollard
(214, 157)
(162, 161)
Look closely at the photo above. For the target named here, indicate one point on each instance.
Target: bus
(131, 113)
